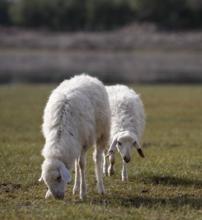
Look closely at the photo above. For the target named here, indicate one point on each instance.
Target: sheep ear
(48, 194)
(139, 148)
(40, 179)
(112, 146)
(65, 174)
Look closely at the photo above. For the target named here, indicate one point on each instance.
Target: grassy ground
(167, 184)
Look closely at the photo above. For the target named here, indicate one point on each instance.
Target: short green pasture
(167, 184)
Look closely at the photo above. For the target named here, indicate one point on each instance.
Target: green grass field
(167, 184)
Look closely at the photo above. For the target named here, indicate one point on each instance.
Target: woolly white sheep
(77, 116)
(127, 126)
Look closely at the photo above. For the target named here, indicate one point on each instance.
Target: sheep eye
(119, 143)
(59, 178)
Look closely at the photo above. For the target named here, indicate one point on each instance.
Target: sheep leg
(105, 165)
(77, 178)
(124, 173)
(82, 165)
(111, 165)
(98, 153)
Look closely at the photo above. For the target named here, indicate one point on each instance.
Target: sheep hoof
(75, 191)
(124, 179)
(102, 193)
(105, 173)
(101, 190)
(82, 196)
(111, 172)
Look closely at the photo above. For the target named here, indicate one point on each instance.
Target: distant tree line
(99, 14)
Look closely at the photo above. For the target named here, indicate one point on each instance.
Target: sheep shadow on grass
(148, 201)
(176, 202)
(173, 181)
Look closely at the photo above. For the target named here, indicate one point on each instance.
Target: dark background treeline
(100, 14)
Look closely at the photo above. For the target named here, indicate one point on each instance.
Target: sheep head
(55, 175)
(124, 142)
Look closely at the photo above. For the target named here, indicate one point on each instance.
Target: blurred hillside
(132, 54)
(118, 40)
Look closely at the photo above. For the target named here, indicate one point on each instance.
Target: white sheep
(77, 116)
(127, 126)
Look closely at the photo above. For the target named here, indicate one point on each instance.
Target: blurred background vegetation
(128, 41)
(100, 14)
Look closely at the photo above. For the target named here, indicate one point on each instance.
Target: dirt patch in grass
(9, 187)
